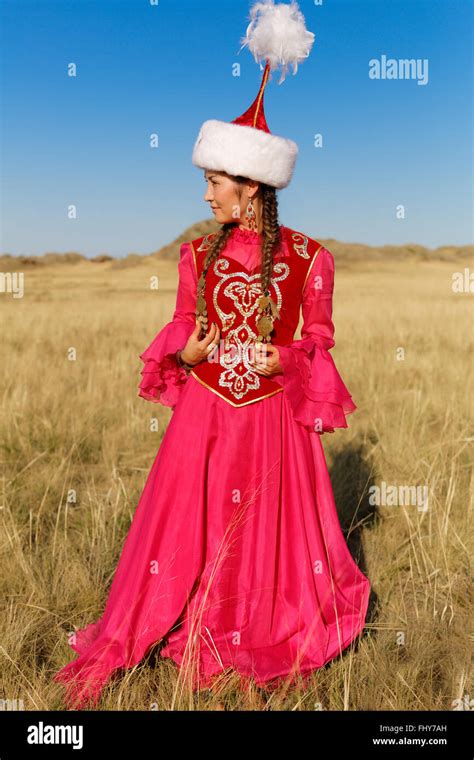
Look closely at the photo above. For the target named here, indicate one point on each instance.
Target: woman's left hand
(267, 360)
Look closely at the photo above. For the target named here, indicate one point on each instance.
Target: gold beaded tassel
(269, 312)
(201, 306)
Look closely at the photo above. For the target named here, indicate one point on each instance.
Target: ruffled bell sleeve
(162, 377)
(318, 397)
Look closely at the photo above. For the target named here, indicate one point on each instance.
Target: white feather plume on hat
(277, 33)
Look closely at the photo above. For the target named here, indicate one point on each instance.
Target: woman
(235, 557)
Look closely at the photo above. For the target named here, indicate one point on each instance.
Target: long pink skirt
(235, 557)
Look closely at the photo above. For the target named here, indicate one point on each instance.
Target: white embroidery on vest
(243, 290)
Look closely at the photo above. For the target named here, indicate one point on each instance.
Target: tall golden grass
(403, 346)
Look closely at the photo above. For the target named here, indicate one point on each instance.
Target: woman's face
(223, 196)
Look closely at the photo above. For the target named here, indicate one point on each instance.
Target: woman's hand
(267, 360)
(196, 350)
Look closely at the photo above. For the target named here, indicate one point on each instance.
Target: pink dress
(235, 557)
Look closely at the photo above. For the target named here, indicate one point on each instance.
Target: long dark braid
(270, 231)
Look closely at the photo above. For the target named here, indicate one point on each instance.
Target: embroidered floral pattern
(301, 248)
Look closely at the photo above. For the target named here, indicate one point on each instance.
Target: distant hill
(343, 252)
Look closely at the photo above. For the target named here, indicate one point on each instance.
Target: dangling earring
(251, 217)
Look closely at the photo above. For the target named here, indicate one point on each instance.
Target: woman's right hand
(196, 350)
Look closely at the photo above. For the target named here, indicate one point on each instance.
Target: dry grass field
(404, 346)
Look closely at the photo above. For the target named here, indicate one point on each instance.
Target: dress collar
(244, 235)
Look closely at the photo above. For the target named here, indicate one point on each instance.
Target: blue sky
(166, 68)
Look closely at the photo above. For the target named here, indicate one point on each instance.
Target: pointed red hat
(245, 146)
(255, 115)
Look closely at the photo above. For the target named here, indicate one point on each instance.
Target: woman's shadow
(351, 479)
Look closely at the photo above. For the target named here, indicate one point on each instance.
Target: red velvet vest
(232, 294)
